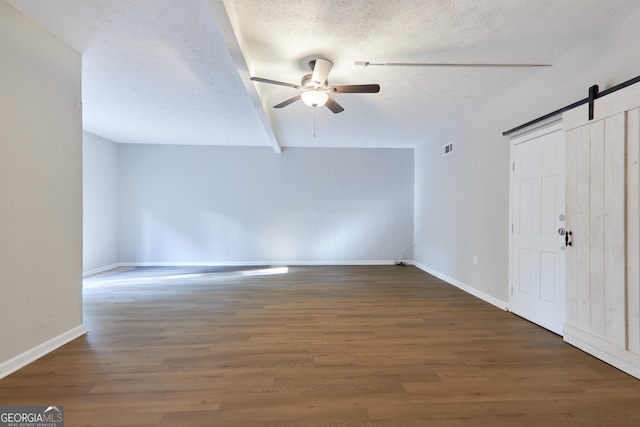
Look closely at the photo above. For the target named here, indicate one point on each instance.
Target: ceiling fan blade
(334, 106)
(372, 88)
(321, 70)
(287, 102)
(274, 82)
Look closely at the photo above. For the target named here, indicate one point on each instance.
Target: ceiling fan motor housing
(307, 82)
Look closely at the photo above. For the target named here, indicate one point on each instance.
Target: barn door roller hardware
(594, 94)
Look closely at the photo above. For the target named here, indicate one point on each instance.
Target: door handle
(568, 238)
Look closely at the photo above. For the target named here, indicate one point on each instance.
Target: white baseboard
(468, 289)
(255, 263)
(33, 354)
(100, 269)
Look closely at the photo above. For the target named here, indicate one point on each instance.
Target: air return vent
(447, 149)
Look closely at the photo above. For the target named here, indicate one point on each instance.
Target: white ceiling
(174, 71)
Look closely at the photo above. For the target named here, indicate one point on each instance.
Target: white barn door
(537, 273)
(603, 213)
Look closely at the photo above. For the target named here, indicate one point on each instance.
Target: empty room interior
(320, 212)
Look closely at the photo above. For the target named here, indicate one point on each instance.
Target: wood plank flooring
(317, 346)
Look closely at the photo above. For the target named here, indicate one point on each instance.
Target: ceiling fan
(315, 90)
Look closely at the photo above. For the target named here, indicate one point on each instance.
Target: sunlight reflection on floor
(157, 275)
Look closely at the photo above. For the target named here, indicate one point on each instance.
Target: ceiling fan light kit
(315, 89)
(314, 97)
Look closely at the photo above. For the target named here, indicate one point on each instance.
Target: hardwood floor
(339, 346)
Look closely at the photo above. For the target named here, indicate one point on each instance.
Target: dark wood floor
(338, 346)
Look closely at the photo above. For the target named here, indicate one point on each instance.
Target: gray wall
(40, 191)
(100, 203)
(197, 204)
(462, 201)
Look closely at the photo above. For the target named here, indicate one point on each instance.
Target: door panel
(549, 198)
(548, 277)
(597, 216)
(537, 284)
(603, 210)
(633, 228)
(525, 271)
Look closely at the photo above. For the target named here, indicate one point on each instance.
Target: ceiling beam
(227, 24)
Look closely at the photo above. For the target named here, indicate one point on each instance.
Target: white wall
(462, 201)
(195, 204)
(100, 203)
(40, 192)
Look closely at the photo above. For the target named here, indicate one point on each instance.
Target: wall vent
(447, 149)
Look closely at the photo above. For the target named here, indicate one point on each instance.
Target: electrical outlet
(475, 260)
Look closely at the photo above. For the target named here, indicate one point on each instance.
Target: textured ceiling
(154, 71)
(172, 71)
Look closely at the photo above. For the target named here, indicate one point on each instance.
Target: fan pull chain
(314, 123)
